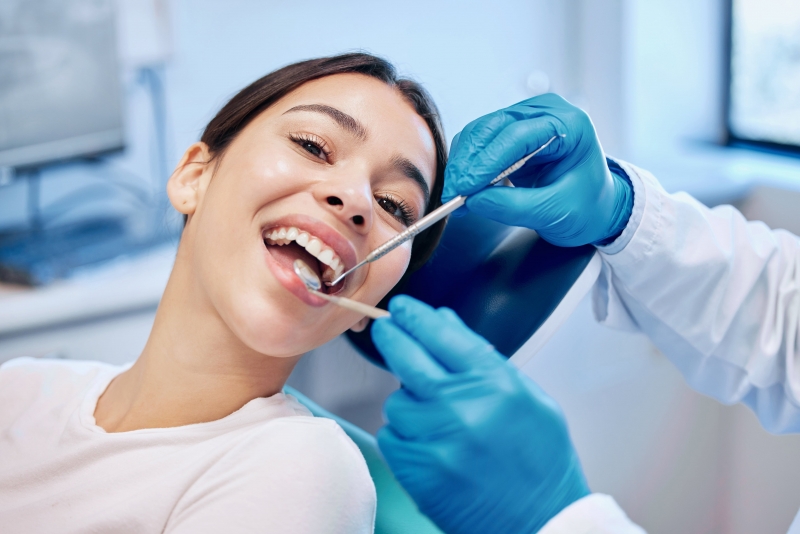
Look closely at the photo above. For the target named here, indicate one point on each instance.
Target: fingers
(516, 141)
(454, 143)
(532, 208)
(416, 369)
(474, 164)
(422, 346)
(412, 418)
(402, 454)
(443, 334)
(468, 144)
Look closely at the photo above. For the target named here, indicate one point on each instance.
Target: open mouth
(289, 243)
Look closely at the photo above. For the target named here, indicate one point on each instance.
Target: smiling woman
(322, 160)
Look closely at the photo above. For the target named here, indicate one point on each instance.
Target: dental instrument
(313, 285)
(435, 216)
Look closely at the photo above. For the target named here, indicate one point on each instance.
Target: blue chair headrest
(504, 282)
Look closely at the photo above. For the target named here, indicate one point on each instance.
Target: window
(764, 81)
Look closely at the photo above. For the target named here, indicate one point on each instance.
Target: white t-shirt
(269, 467)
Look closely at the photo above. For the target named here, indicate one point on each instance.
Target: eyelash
(406, 215)
(308, 139)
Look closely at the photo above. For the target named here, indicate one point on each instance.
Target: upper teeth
(315, 246)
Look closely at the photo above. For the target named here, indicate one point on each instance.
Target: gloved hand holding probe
(468, 426)
(567, 193)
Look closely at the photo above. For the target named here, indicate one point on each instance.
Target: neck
(193, 368)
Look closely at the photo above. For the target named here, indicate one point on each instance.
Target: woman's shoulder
(38, 384)
(292, 429)
(298, 473)
(32, 372)
(319, 443)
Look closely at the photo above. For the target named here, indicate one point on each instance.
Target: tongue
(286, 254)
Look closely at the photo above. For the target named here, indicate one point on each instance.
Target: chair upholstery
(504, 282)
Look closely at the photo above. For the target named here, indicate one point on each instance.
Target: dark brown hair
(264, 92)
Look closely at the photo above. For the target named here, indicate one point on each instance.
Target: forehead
(392, 124)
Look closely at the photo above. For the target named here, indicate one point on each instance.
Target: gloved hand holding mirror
(478, 445)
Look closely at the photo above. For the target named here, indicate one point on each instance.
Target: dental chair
(507, 284)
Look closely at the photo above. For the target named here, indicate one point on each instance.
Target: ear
(190, 179)
(360, 325)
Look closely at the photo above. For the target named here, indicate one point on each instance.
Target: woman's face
(325, 174)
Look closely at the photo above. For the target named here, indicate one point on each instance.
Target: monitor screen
(59, 80)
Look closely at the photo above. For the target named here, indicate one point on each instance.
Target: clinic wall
(642, 434)
(474, 57)
(673, 67)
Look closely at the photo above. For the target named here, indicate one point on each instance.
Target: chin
(279, 328)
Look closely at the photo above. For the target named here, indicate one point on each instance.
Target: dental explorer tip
(348, 271)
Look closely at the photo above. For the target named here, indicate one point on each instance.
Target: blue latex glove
(476, 444)
(566, 193)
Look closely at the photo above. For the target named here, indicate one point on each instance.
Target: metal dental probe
(435, 216)
(312, 283)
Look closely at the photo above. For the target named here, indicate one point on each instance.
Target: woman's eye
(312, 145)
(312, 148)
(390, 206)
(397, 209)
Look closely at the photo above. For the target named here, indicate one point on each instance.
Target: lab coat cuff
(593, 514)
(646, 222)
(642, 234)
(639, 200)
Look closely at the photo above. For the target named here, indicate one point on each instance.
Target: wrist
(570, 488)
(623, 206)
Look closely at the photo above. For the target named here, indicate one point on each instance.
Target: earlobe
(189, 180)
(360, 325)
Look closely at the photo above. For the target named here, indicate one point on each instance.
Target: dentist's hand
(476, 444)
(566, 193)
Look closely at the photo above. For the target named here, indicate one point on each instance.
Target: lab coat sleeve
(718, 295)
(593, 514)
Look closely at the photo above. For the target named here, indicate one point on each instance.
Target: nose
(349, 199)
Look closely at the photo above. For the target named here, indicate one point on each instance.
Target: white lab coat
(719, 296)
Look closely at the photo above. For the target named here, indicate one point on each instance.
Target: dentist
(477, 444)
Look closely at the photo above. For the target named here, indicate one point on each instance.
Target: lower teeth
(328, 274)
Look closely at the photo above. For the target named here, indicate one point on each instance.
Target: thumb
(529, 207)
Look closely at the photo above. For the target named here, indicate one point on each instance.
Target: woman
(322, 160)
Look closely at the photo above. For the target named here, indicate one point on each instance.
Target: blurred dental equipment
(435, 216)
(313, 285)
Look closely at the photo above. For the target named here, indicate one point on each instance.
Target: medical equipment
(435, 216)
(313, 285)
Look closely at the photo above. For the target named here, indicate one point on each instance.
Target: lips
(318, 255)
(321, 247)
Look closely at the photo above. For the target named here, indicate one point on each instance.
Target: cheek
(385, 273)
(265, 179)
(227, 223)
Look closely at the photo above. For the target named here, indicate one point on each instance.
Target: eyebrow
(411, 171)
(351, 125)
(341, 118)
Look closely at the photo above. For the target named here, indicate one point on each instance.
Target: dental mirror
(313, 285)
(309, 277)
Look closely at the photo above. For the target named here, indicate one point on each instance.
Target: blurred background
(99, 98)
